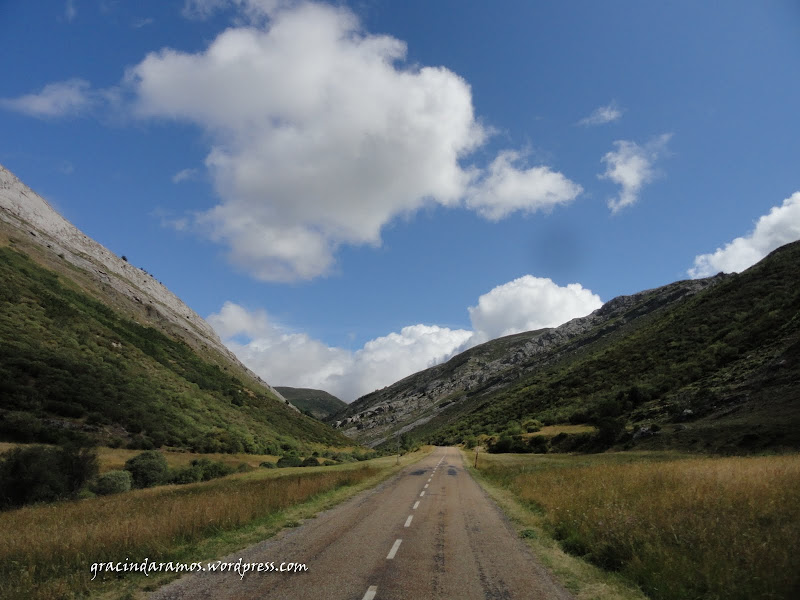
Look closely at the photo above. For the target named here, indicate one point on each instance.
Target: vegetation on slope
(316, 403)
(717, 372)
(70, 366)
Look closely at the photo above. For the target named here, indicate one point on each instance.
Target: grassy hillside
(319, 403)
(72, 366)
(718, 371)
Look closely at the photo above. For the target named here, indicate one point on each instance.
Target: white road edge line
(371, 591)
(408, 521)
(393, 551)
(416, 504)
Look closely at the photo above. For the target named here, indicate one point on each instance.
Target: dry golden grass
(716, 528)
(46, 551)
(115, 458)
(554, 430)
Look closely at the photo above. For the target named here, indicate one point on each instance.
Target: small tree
(42, 474)
(148, 469)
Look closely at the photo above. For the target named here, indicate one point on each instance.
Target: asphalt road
(429, 532)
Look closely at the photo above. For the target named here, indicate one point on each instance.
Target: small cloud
(60, 99)
(507, 188)
(139, 23)
(168, 219)
(780, 226)
(67, 168)
(632, 166)
(70, 12)
(602, 115)
(184, 175)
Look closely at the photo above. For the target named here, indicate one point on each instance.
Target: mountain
(319, 403)
(92, 345)
(710, 364)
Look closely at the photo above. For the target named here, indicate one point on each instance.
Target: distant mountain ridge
(319, 403)
(672, 358)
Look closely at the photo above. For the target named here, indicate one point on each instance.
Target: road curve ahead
(429, 532)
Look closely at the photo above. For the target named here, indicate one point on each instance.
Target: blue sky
(353, 192)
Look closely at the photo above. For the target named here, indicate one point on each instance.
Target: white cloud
(284, 357)
(506, 189)
(780, 226)
(143, 22)
(322, 135)
(255, 11)
(61, 99)
(632, 166)
(529, 303)
(184, 175)
(602, 115)
(70, 12)
(289, 358)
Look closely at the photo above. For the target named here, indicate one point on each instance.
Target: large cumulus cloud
(321, 134)
(286, 357)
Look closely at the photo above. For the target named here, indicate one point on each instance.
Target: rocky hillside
(91, 346)
(491, 366)
(688, 360)
(104, 274)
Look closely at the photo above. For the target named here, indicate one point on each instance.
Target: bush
(200, 469)
(42, 474)
(148, 469)
(113, 482)
(289, 461)
(268, 465)
(311, 461)
(538, 444)
(532, 425)
(506, 443)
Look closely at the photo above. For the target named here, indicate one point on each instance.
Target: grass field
(678, 526)
(46, 551)
(114, 458)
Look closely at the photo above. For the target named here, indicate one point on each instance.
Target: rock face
(483, 369)
(34, 218)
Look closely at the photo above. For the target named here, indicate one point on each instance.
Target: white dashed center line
(426, 486)
(422, 493)
(408, 521)
(371, 591)
(416, 504)
(393, 551)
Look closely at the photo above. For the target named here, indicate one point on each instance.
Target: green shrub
(202, 469)
(289, 461)
(42, 474)
(148, 469)
(311, 461)
(268, 465)
(113, 482)
(532, 425)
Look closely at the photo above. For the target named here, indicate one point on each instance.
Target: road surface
(428, 532)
